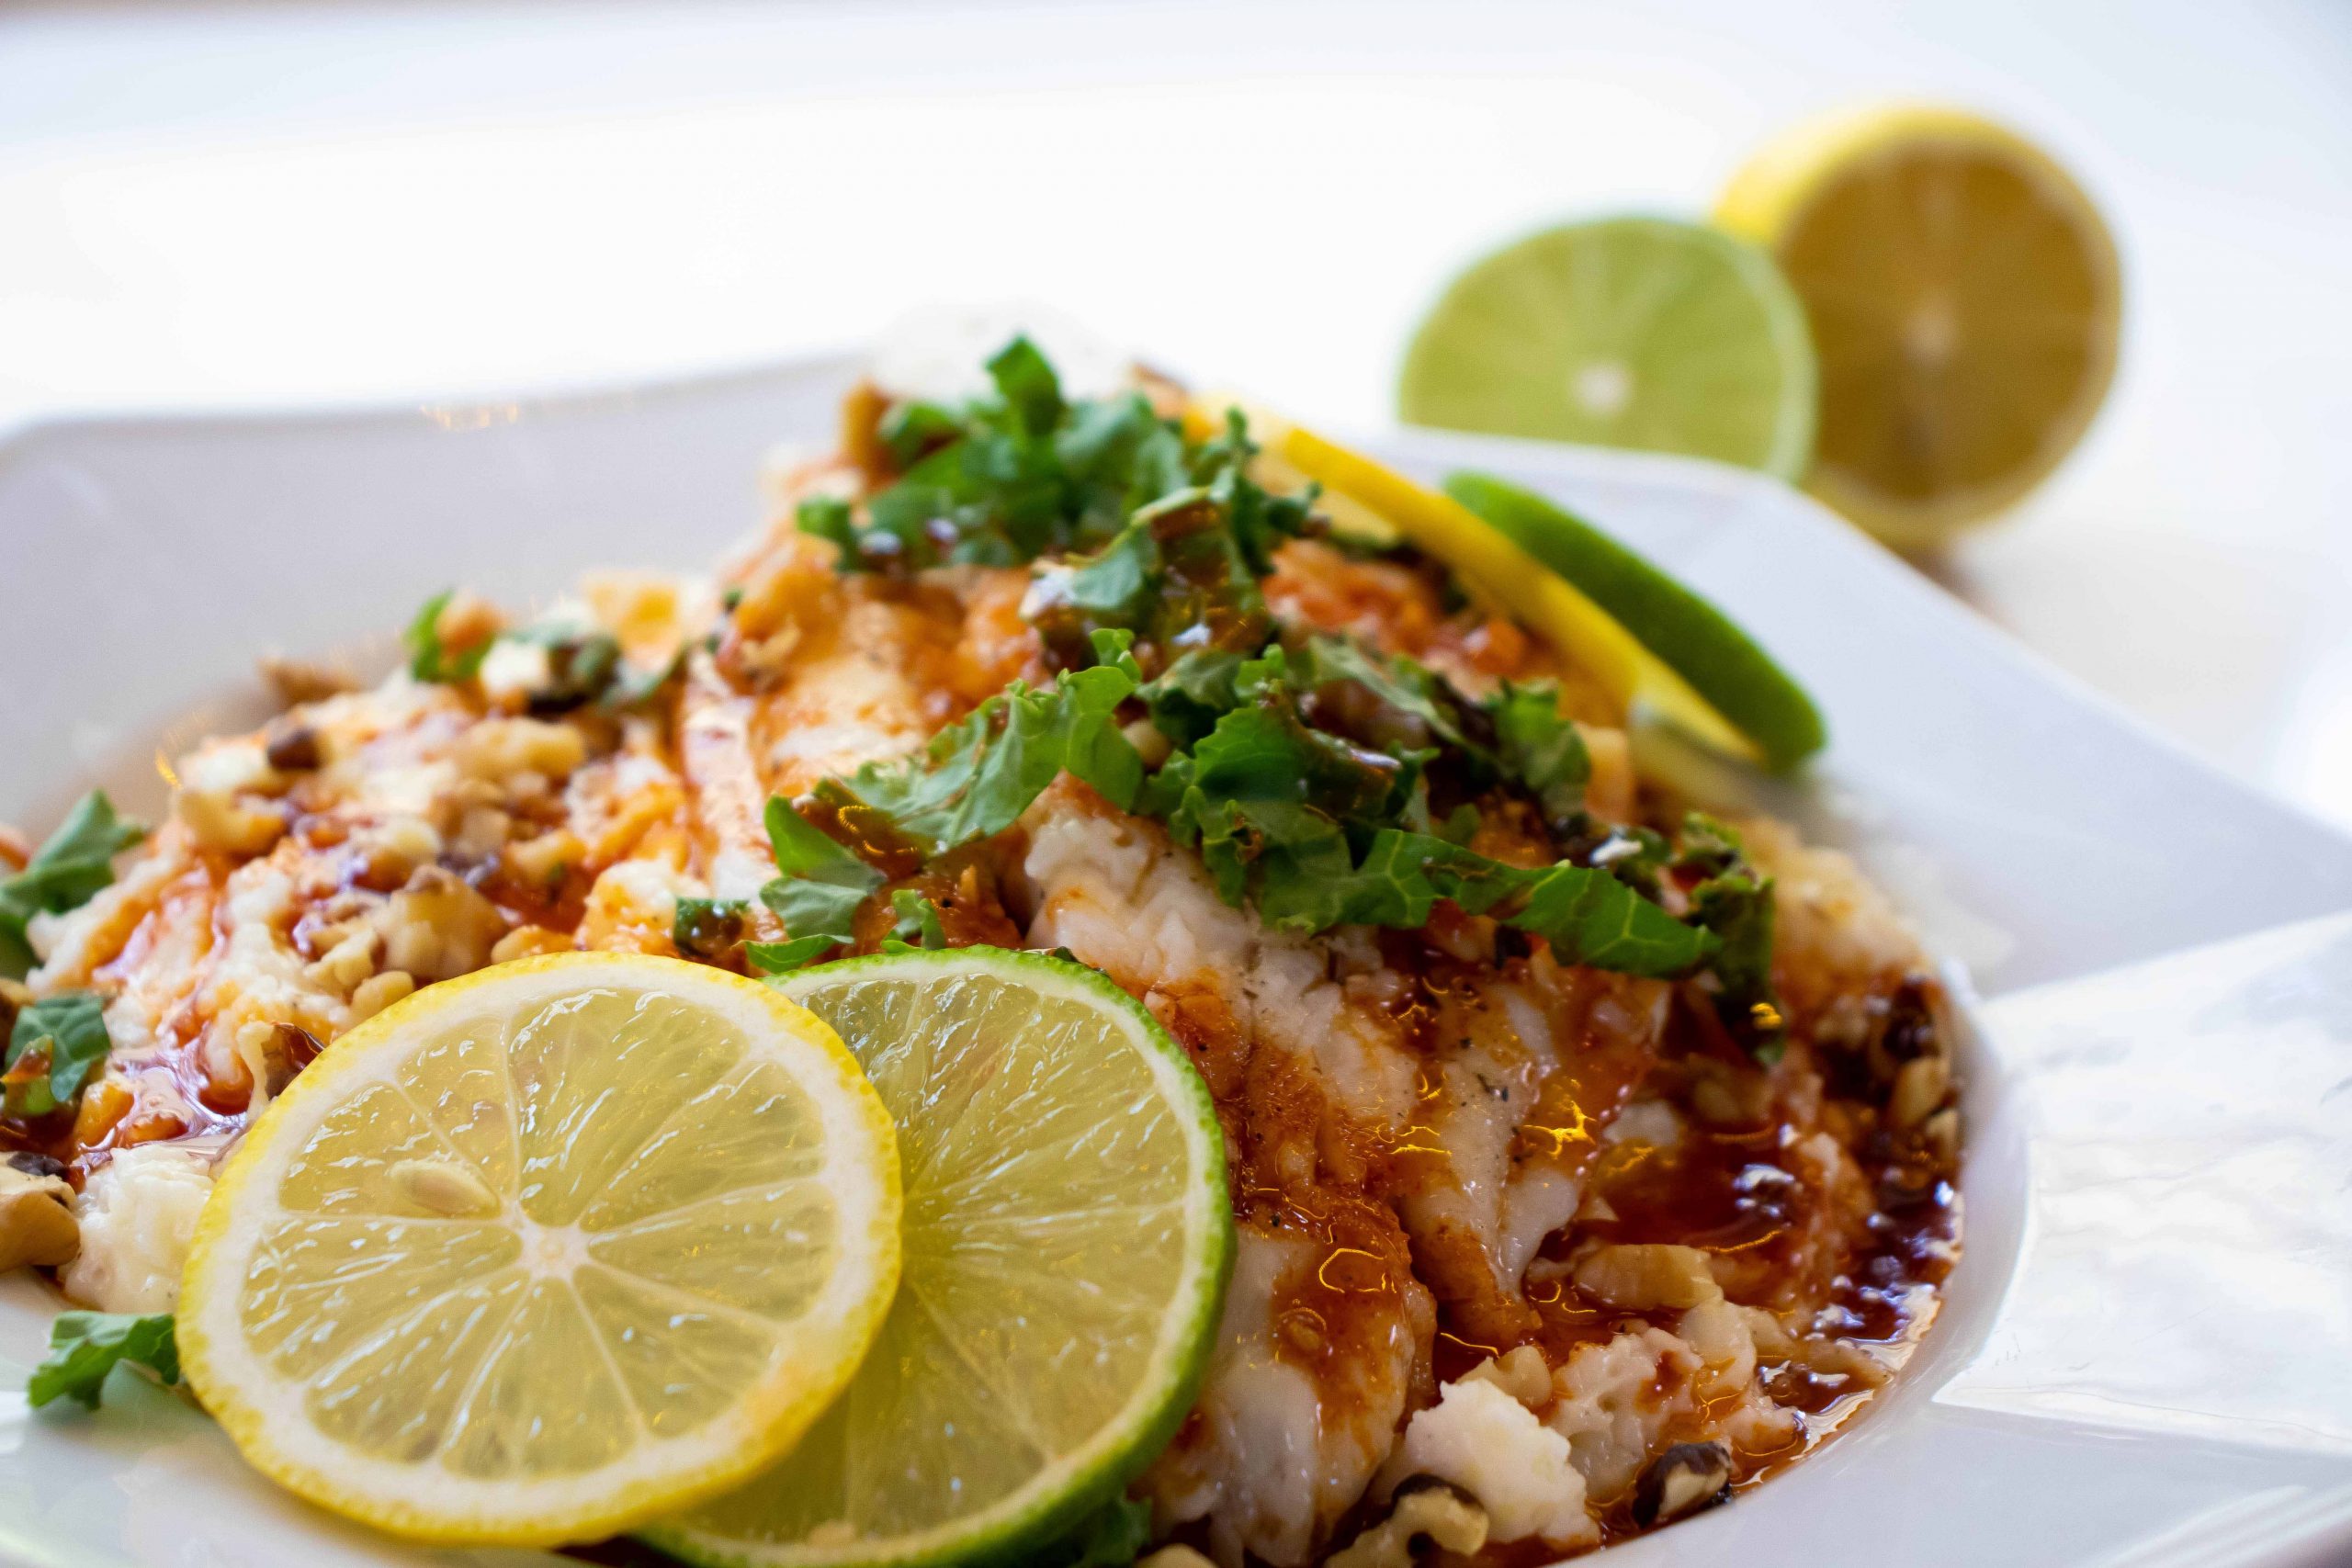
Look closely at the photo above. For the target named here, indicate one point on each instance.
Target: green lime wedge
(1067, 1239)
(1622, 332)
(1701, 644)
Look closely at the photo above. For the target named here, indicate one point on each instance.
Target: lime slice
(546, 1251)
(1721, 662)
(1965, 303)
(1067, 1238)
(1624, 331)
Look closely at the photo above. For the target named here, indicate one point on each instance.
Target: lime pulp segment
(1640, 332)
(1067, 1241)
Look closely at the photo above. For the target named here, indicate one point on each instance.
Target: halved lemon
(547, 1250)
(1966, 304)
(1069, 1237)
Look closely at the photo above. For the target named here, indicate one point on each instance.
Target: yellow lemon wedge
(1494, 566)
(1966, 304)
(546, 1251)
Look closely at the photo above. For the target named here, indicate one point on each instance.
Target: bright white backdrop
(279, 204)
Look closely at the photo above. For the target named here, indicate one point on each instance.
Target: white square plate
(2146, 1355)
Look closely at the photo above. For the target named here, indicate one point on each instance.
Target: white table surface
(277, 204)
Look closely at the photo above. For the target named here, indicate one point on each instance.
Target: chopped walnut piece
(1423, 1509)
(1685, 1478)
(218, 822)
(298, 681)
(1642, 1277)
(437, 928)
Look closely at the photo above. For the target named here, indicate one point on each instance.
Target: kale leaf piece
(70, 866)
(55, 1046)
(84, 1346)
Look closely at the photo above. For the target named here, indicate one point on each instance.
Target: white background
(280, 205)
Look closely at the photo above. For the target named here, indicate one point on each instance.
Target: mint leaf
(1113, 1536)
(70, 866)
(427, 660)
(1027, 384)
(1539, 749)
(1590, 917)
(828, 517)
(1114, 586)
(84, 1346)
(918, 924)
(709, 928)
(55, 1046)
(1733, 901)
(977, 776)
(822, 884)
(783, 957)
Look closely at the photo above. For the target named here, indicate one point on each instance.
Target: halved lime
(1722, 663)
(1067, 1238)
(1622, 332)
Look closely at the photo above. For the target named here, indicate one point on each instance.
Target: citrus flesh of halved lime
(1622, 332)
(1067, 1238)
(1966, 304)
(546, 1250)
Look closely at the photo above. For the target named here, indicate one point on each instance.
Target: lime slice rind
(1634, 332)
(1722, 663)
(1007, 1393)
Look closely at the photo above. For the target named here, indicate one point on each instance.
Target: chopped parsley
(84, 1346)
(73, 864)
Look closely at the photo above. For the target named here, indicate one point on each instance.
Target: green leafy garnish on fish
(54, 1047)
(70, 866)
(84, 1346)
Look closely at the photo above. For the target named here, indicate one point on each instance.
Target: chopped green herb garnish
(783, 957)
(1322, 782)
(828, 517)
(57, 1044)
(84, 1346)
(821, 886)
(74, 863)
(1733, 901)
(427, 660)
(918, 923)
(1113, 1536)
(709, 928)
(977, 776)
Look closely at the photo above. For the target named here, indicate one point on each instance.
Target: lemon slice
(1966, 304)
(1500, 570)
(1067, 1239)
(546, 1250)
(1622, 332)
